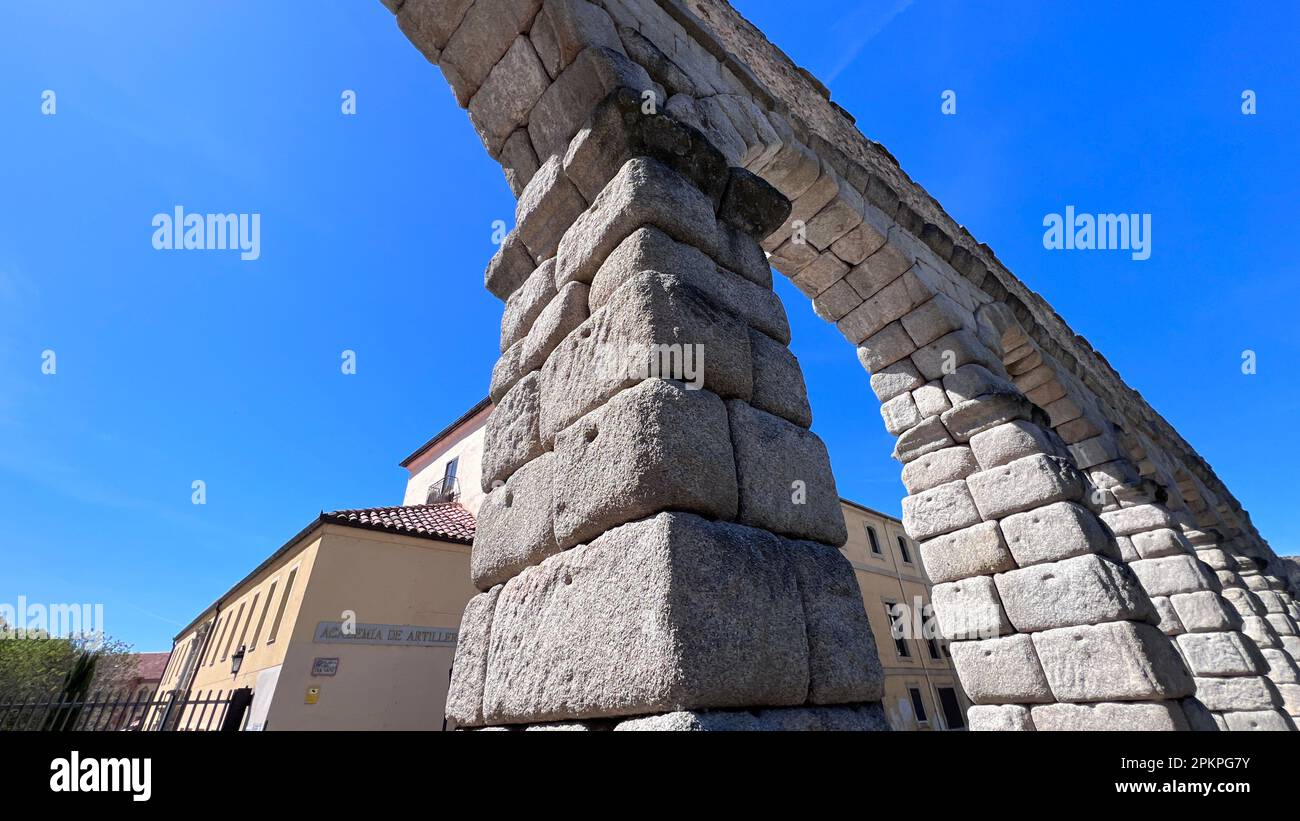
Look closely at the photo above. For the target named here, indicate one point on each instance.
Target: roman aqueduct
(657, 557)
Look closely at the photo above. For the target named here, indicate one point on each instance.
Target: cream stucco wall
(465, 443)
(886, 579)
(384, 579)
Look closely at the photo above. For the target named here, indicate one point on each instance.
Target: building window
(896, 631)
(871, 537)
(252, 608)
(444, 490)
(903, 551)
(951, 709)
(270, 596)
(918, 706)
(218, 635)
(233, 624)
(934, 649)
(279, 611)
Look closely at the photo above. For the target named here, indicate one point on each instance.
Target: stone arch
(663, 154)
(1137, 491)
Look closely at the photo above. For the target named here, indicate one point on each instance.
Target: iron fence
(128, 711)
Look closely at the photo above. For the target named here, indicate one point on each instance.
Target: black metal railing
(443, 490)
(124, 710)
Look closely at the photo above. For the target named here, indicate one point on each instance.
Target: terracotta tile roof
(446, 521)
(150, 666)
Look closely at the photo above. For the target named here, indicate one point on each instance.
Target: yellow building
(921, 688)
(352, 623)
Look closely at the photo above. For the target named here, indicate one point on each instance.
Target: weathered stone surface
(469, 668)
(644, 192)
(648, 248)
(1011, 441)
(941, 509)
(570, 100)
(926, 437)
(1259, 631)
(742, 253)
(973, 551)
(606, 141)
(511, 437)
(1279, 667)
(752, 205)
(970, 418)
(1116, 661)
(653, 447)
(514, 525)
(1262, 720)
(1129, 520)
(879, 269)
(486, 32)
(818, 275)
(950, 351)
(900, 414)
(1095, 451)
(778, 381)
(1282, 624)
(656, 325)
(1218, 654)
(1154, 544)
(1161, 716)
(430, 23)
(1053, 532)
(566, 311)
(885, 348)
(1000, 671)
(1203, 611)
(525, 304)
(518, 160)
(660, 66)
(546, 209)
(1236, 693)
(1082, 590)
(931, 399)
(891, 303)
(569, 26)
(971, 381)
(864, 239)
(510, 91)
(509, 267)
(937, 468)
(807, 204)
(999, 718)
(969, 609)
(894, 379)
(1030, 482)
(936, 318)
(630, 624)
(1166, 616)
(786, 485)
(1170, 575)
(843, 666)
(840, 718)
(837, 217)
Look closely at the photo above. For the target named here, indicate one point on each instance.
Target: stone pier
(659, 546)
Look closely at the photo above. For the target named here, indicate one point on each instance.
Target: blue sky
(176, 366)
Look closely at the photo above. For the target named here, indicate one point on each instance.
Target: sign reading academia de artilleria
(406, 635)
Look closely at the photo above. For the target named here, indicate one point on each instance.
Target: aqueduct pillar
(658, 547)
